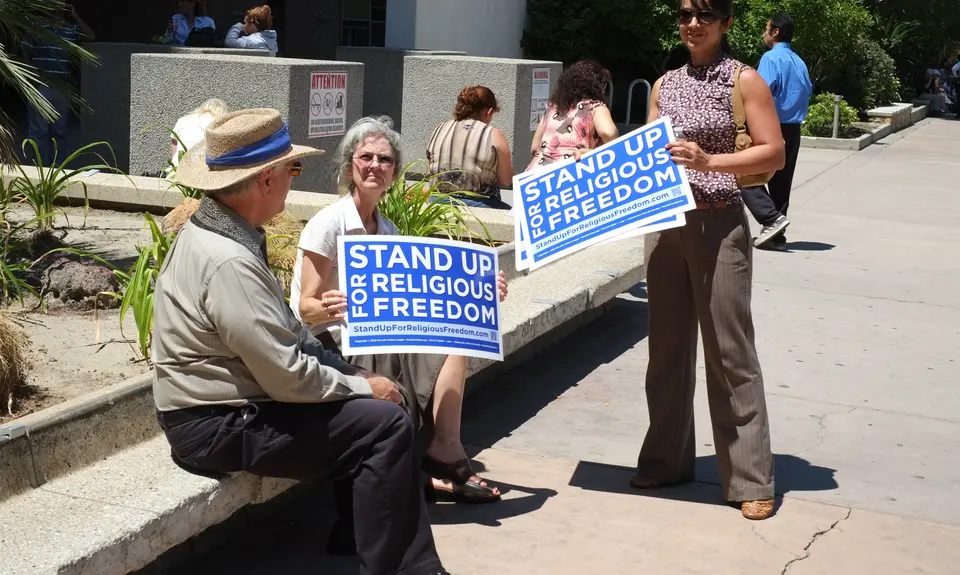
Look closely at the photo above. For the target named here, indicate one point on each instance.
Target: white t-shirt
(320, 237)
(191, 128)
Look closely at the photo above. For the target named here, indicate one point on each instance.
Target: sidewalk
(857, 330)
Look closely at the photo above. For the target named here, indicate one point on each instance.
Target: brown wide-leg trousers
(701, 273)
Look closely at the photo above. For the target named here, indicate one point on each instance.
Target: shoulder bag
(744, 141)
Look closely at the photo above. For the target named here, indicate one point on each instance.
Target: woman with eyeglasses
(470, 154)
(191, 15)
(701, 273)
(577, 116)
(432, 385)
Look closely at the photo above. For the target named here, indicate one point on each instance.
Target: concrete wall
(383, 71)
(491, 28)
(165, 86)
(106, 89)
(431, 86)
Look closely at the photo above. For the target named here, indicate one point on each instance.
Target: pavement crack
(817, 535)
(757, 534)
(822, 428)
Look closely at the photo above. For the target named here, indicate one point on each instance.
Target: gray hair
(371, 126)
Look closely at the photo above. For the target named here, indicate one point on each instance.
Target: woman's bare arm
(504, 160)
(654, 112)
(313, 275)
(767, 153)
(604, 125)
(538, 136)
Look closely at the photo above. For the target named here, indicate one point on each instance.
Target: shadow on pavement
(519, 394)
(517, 500)
(809, 247)
(792, 474)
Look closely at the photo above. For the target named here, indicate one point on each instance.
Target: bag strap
(739, 114)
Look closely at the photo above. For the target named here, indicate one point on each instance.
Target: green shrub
(819, 122)
(873, 79)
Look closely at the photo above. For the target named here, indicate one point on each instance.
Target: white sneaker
(771, 231)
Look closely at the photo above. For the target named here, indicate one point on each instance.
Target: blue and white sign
(621, 186)
(419, 295)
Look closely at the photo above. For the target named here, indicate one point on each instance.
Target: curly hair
(262, 16)
(585, 80)
(474, 99)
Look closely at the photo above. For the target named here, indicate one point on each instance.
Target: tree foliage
(847, 44)
(20, 19)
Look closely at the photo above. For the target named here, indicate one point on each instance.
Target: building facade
(315, 28)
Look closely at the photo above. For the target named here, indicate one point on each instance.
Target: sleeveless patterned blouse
(566, 133)
(700, 99)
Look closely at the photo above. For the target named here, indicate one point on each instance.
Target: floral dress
(566, 133)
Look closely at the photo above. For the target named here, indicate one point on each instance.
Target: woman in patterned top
(470, 154)
(701, 273)
(577, 116)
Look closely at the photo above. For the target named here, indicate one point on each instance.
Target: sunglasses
(296, 169)
(705, 17)
(367, 159)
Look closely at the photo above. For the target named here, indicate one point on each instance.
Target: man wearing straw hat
(241, 386)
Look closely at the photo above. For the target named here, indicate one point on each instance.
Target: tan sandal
(757, 510)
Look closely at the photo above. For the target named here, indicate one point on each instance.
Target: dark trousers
(782, 181)
(367, 440)
(700, 275)
(767, 207)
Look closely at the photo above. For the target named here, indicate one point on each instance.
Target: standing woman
(702, 272)
(577, 116)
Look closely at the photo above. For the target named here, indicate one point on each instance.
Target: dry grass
(284, 231)
(13, 360)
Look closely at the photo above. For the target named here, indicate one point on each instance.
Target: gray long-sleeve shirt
(222, 332)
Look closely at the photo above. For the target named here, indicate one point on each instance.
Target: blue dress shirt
(789, 80)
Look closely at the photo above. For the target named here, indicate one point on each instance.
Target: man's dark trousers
(368, 440)
(782, 182)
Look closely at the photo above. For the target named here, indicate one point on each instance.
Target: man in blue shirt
(789, 81)
(53, 61)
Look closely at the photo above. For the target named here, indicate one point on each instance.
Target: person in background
(256, 31)
(54, 61)
(368, 161)
(191, 15)
(241, 385)
(701, 273)
(192, 128)
(469, 153)
(577, 116)
(789, 81)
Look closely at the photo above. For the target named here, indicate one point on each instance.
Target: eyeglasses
(366, 159)
(296, 169)
(705, 17)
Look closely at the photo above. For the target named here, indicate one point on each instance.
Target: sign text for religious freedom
(419, 295)
(621, 186)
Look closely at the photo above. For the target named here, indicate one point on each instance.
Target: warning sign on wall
(328, 104)
(539, 96)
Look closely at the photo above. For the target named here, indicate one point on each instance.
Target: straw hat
(238, 146)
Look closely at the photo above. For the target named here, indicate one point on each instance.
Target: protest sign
(419, 295)
(621, 186)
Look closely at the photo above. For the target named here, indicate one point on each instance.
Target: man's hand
(385, 389)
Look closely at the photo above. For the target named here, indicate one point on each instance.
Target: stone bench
(88, 487)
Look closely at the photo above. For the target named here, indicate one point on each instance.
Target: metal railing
(630, 98)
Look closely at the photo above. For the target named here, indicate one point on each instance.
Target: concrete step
(120, 513)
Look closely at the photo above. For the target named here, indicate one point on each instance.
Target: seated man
(241, 386)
